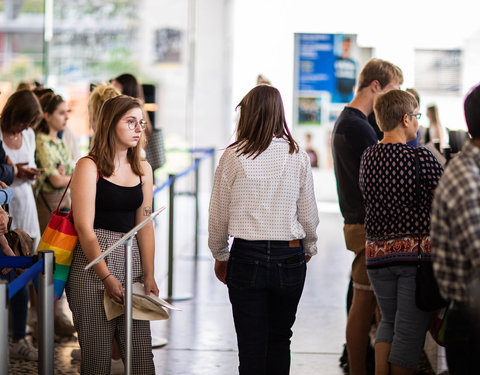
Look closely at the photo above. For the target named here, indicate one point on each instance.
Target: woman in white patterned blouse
(263, 197)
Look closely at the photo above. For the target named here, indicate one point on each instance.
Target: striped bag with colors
(60, 237)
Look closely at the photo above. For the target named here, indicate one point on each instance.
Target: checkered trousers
(95, 333)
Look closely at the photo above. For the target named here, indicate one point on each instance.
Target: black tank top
(115, 205)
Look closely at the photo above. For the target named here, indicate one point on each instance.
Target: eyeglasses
(132, 124)
(417, 115)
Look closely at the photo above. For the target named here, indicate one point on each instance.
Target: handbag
(19, 241)
(61, 237)
(427, 294)
(438, 325)
(155, 149)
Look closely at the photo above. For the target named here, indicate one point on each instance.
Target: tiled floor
(201, 337)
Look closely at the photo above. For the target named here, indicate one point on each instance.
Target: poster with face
(326, 63)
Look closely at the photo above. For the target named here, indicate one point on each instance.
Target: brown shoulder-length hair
(22, 107)
(104, 143)
(262, 118)
(49, 102)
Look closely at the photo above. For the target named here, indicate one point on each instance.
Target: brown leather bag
(19, 241)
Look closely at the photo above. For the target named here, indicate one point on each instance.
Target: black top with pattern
(387, 181)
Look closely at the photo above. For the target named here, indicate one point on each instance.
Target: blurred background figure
(312, 154)
(53, 156)
(127, 84)
(345, 74)
(19, 115)
(100, 94)
(262, 80)
(21, 112)
(436, 132)
(415, 142)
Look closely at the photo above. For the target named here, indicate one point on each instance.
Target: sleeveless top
(115, 205)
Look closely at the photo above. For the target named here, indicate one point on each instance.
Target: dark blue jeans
(265, 282)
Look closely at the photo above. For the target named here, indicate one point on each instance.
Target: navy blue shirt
(7, 173)
(351, 135)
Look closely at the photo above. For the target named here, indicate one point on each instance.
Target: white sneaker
(117, 367)
(23, 349)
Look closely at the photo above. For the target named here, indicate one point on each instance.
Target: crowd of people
(263, 198)
(396, 200)
(389, 192)
(38, 160)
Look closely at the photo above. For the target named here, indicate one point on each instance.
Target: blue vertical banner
(315, 62)
(326, 64)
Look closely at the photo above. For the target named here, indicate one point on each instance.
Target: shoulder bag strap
(63, 195)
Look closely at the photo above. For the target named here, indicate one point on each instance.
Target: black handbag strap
(417, 190)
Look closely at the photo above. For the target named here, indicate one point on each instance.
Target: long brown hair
(262, 117)
(49, 102)
(21, 107)
(104, 144)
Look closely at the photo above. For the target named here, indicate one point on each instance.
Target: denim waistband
(270, 243)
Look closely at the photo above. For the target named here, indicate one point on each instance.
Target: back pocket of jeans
(242, 273)
(292, 275)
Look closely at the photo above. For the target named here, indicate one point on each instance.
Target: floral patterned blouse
(50, 154)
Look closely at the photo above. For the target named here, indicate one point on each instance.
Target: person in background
(263, 196)
(345, 69)
(436, 132)
(53, 156)
(352, 134)
(21, 111)
(312, 154)
(127, 84)
(111, 193)
(455, 233)
(100, 94)
(414, 142)
(395, 216)
(262, 80)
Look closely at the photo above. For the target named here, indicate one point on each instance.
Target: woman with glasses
(53, 156)
(111, 193)
(396, 218)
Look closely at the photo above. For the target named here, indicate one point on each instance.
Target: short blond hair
(390, 108)
(98, 96)
(379, 70)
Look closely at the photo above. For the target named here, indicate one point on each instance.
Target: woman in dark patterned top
(395, 217)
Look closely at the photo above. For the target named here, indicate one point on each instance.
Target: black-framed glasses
(132, 124)
(417, 115)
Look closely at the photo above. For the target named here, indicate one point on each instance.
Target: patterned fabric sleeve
(307, 208)
(431, 170)
(219, 210)
(455, 231)
(46, 155)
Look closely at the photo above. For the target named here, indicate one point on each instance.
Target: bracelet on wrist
(106, 277)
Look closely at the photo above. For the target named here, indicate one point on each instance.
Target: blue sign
(315, 62)
(324, 63)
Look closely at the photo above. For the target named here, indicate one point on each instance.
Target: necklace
(13, 136)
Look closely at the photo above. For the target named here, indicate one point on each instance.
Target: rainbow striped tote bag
(61, 237)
